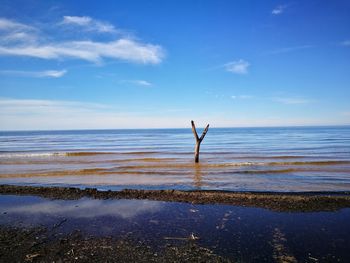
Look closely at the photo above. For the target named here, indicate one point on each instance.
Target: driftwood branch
(198, 140)
(194, 131)
(204, 133)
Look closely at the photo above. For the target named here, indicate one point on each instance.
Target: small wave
(271, 157)
(214, 165)
(86, 153)
(277, 171)
(309, 163)
(50, 154)
(28, 155)
(141, 153)
(146, 160)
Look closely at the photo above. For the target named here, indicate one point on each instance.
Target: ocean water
(288, 159)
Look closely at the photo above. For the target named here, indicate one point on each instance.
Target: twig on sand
(190, 237)
(59, 223)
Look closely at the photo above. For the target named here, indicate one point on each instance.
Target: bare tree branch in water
(198, 140)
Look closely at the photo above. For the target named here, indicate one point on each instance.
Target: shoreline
(275, 201)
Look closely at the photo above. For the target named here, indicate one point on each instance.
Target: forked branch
(204, 133)
(198, 140)
(194, 131)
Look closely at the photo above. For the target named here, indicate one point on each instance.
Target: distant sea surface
(289, 159)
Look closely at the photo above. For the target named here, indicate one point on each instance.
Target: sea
(274, 159)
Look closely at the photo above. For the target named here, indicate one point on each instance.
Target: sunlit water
(241, 159)
(242, 234)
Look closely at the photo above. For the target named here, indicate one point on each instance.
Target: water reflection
(85, 208)
(238, 233)
(197, 179)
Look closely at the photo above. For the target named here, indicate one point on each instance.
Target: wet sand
(44, 245)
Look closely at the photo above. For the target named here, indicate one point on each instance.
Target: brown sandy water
(242, 159)
(147, 170)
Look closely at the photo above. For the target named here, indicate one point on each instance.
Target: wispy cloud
(7, 25)
(30, 114)
(345, 43)
(279, 9)
(24, 114)
(35, 74)
(138, 82)
(243, 97)
(89, 24)
(35, 105)
(94, 51)
(18, 37)
(291, 100)
(14, 32)
(237, 67)
(123, 49)
(288, 49)
(77, 20)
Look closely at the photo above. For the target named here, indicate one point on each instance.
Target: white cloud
(18, 37)
(241, 97)
(78, 20)
(123, 49)
(139, 82)
(291, 100)
(35, 74)
(237, 67)
(36, 106)
(53, 73)
(9, 25)
(89, 24)
(278, 10)
(18, 40)
(14, 32)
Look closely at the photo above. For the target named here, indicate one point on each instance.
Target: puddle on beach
(238, 233)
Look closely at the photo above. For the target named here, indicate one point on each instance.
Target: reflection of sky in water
(244, 233)
(92, 216)
(87, 208)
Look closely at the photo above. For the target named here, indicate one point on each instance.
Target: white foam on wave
(30, 155)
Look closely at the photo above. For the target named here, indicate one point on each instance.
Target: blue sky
(159, 64)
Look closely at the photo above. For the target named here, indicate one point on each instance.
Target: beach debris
(198, 140)
(224, 220)
(313, 259)
(30, 257)
(281, 253)
(192, 236)
(57, 225)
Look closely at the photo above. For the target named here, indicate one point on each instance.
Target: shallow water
(238, 233)
(240, 159)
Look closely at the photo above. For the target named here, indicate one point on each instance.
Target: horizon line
(159, 128)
